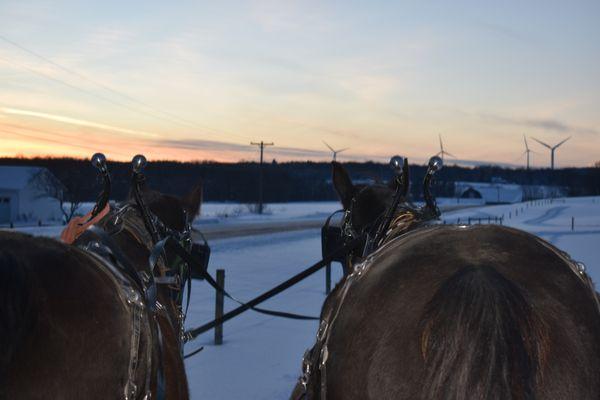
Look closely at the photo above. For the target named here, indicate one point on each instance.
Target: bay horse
(452, 312)
(76, 326)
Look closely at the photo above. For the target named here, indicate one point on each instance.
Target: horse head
(382, 211)
(145, 231)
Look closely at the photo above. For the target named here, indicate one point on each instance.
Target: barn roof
(492, 192)
(487, 185)
(17, 177)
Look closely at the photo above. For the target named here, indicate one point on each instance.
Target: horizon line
(461, 163)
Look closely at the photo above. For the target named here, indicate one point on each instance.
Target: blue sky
(198, 80)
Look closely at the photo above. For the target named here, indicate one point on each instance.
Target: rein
(194, 333)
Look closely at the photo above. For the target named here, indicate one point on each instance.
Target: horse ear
(192, 201)
(342, 184)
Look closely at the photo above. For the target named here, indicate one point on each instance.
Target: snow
(271, 210)
(551, 220)
(261, 355)
(226, 214)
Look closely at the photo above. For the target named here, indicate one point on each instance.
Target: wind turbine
(527, 151)
(442, 151)
(335, 152)
(552, 149)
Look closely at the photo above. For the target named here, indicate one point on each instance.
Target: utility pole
(262, 146)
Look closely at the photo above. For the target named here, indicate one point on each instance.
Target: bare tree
(50, 186)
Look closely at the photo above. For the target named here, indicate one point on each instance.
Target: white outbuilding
(489, 193)
(21, 197)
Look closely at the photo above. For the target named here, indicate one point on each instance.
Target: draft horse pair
(424, 311)
(449, 312)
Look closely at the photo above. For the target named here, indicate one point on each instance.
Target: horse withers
(77, 324)
(452, 312)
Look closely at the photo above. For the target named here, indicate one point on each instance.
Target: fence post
(328, 278)
(219, 307)
(572, 223)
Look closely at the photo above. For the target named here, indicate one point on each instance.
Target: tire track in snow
(547, 216)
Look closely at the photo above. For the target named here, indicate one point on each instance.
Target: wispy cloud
(210, 145)
(547, 124)
(75, 121)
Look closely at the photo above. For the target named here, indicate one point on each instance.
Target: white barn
(21, 199)
(490, 193)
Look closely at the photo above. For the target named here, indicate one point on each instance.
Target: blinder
(201, 253)
(332, 237)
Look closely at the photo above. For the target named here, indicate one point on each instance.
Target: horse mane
(481, 339)
(16, 306)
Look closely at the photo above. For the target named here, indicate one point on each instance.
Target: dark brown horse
(453, 313)
(74, 326)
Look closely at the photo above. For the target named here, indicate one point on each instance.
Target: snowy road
(261, 355)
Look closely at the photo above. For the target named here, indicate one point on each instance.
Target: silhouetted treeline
(290, 181)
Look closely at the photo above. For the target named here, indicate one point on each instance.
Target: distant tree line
(290, 181)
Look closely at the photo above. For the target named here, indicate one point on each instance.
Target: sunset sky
(193, 80)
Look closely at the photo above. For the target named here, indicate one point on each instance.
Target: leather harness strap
(134, 304)
(97, 241)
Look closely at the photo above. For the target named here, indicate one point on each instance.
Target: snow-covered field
(272, 211)
(220, 216)
(551, 221)
(261, 355)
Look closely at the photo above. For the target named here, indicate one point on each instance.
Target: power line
(71, 86)
(24, 135)
(170, 116)
(54, 134)
(84, 77)
(27, 128)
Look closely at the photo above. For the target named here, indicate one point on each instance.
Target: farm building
(489, 193)
(22, 197)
